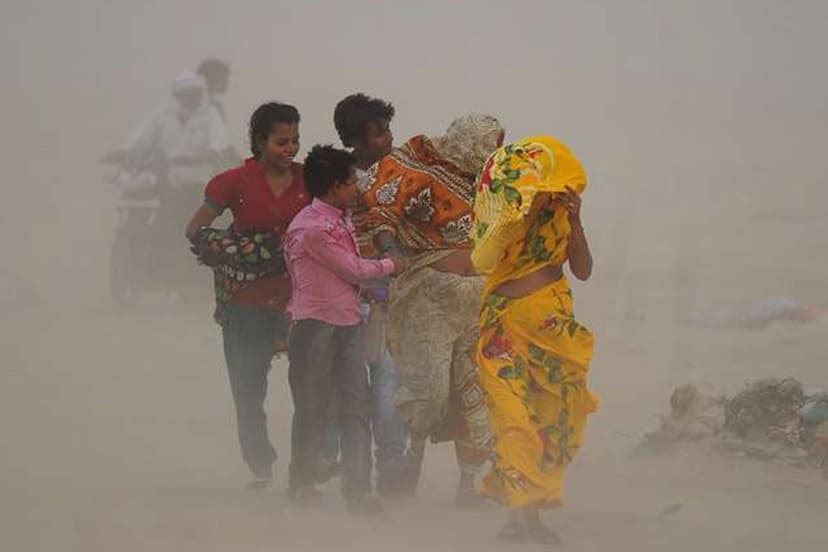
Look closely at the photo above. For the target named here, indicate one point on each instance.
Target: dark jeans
(390, 432)
(389, 429)
(326, 365)
(248, 349)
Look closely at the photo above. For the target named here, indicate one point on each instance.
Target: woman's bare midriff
(529, 284)
(458, 262)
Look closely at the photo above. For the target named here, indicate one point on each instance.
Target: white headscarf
(187, 80)
(469, 141)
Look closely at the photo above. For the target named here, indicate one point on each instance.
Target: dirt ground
(118, 431)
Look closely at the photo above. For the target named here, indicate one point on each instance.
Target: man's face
(190, 98)
(378, 140)
(220, 84)
(347, 192)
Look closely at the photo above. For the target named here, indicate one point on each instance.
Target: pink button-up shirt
(325, 266)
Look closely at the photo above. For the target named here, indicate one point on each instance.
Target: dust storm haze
(702, 125)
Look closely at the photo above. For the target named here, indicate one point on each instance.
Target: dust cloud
(702, 124)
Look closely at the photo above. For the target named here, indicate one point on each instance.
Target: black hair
(355, 113)
(263, 119)
(324, 167)
(213, 70)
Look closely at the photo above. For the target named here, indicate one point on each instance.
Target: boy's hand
(400, 264)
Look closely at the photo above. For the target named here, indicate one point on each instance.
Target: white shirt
(165, 134)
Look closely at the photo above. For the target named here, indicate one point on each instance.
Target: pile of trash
(770, 419)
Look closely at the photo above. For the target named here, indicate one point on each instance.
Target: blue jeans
(390, 433)
(389, 429)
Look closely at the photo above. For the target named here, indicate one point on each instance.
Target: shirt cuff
(387, 266)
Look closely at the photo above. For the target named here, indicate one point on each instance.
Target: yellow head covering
(506, 189)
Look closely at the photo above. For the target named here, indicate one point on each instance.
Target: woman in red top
(252, 287)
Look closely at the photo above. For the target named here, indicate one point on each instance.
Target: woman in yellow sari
(533, 355)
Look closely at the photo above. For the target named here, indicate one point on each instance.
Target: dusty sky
(667, 101)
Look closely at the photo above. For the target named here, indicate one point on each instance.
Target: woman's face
(282, 145)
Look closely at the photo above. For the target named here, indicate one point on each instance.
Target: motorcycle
(129, 257)
(149, 253)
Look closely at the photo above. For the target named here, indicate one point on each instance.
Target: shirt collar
(327, 209)
(189, 114)
(256, 166)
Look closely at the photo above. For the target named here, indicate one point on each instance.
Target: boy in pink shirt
(325, 349)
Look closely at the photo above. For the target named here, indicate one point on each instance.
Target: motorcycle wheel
(128, 258)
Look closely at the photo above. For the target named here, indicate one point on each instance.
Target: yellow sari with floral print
(533, 355)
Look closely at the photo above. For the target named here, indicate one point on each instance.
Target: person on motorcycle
(182, 145)
(185, 138)
(216, 74)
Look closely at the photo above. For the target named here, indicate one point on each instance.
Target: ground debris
(770, 419)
